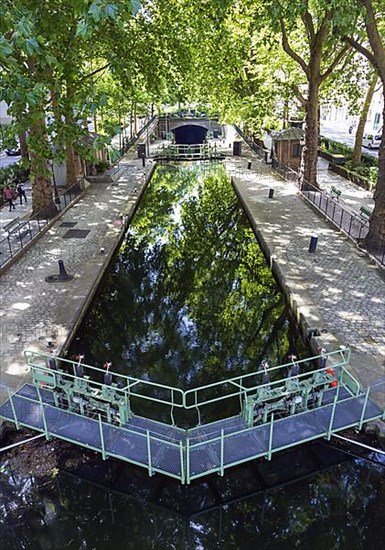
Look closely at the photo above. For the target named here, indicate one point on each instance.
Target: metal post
(104, 456)
(271, 436)
(313, 243)
(187, 460)
(182, 469)
(43, 413)
(222, 450)
(149, 453)
(13, 410)
(172, 408)
(329, 434)
(364, 408)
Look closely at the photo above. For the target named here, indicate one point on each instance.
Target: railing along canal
(351, 223)
(24, 230)
(187, 152)
(280, 407)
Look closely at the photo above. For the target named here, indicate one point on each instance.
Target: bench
(17, 225)
(366, 212)
(11, 226)
(334, 192)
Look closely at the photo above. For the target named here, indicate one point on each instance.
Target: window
(296, 150)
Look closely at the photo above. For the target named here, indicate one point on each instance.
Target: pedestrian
(8, 196)
(21, 192)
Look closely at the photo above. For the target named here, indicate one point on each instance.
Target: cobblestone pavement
(337, 289)
(33, 311)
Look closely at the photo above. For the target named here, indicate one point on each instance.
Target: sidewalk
(336, 290)
(20, 211)
(33, 311)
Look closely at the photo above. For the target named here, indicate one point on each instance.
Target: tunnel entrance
(190, 134)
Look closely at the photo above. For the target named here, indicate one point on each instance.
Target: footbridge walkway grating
(276, 412)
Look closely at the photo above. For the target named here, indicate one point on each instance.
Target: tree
(308, 37)
(43, 53)
(356, 158)
(372, 46)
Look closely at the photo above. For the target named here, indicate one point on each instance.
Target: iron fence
(350, 222)
(21, 231)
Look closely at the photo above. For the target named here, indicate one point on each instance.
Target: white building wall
(4, 117)
(339, 116)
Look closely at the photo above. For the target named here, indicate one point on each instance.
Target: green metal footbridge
(278, 408)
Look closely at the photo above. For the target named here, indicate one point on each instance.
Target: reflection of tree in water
(190, 298)
(342, 507)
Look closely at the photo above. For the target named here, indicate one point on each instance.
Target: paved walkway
(33, 311)
(337, 289)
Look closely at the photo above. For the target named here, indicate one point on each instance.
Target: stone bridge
(188, 129)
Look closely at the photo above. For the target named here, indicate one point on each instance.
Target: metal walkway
(98, 415)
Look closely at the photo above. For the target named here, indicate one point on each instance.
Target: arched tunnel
(190, 134)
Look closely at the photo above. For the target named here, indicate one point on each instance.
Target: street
(5, 160)
(342, 136)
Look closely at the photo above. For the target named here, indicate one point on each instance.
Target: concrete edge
(83, 308)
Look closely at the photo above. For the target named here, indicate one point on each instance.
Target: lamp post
(147, 135)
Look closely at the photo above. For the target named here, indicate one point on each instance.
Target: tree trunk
(376, 237)
(309, 158)
(356, 159)
(23, 145)
(70, 164)
(135, 121)
(42, 199)
(70, 155)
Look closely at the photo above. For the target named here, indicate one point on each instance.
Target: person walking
(21, 192)
(8, 196)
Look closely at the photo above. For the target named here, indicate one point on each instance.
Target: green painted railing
(187, 152)
(213, 440)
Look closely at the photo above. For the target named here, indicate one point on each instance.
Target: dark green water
(341, 508)
(189, 299)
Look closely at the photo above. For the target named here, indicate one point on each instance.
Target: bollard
(249, 165)
(313, 243)
(143, 161)
(271, 193)
(62, 277)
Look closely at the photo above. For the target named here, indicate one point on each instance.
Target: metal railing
(26, 229)
(237, 387)
(262, 152)
(351, 223)
(245, 384)
(188, 454)
(187, 152)
(126, 385)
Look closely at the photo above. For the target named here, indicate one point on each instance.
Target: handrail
(130, 381)
(342, 354)
(31, 227)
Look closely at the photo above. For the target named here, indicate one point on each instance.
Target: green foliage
(335, 147)
(368, 172)
(368, 168)
(101, 166)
